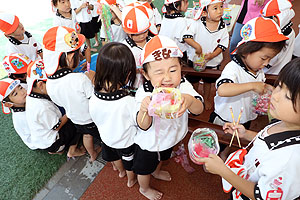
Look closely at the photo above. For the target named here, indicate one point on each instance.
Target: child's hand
(268, 88)
(258, 87)
(186, 102)
(230, 128)
(145, 104)
(213, 163)
(198, 50)
(208, 56)
(84, 4)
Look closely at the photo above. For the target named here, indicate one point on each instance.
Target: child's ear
(145, 75)
(204, 13)
(8, 104)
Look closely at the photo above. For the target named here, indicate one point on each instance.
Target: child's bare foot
(151, 194)
(208, 105)
(122, 174)
(77, 152)
(59, 153)
(131, 183)
(94, 50)
(162, 175)
(95, 154)
(96, 44)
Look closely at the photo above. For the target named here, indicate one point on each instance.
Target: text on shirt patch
(276, 193)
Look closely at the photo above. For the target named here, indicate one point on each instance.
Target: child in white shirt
(13, 96)
(20, 41)
(162, 68)
(112, 107)
(67, 89)
(209, 36)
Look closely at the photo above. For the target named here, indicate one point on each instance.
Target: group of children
(54, 108)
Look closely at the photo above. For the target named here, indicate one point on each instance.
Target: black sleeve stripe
(57, 125)
(222, 47)
(40, 51)
(225, 80)
(187, 36)
(139, 126)
(257, 194)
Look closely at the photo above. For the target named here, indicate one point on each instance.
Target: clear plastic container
(199, 63)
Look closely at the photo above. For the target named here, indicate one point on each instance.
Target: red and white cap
(275, 7)
(203, 4)
(35, 72)
(108, 2)
(7, 85)
(8, 23)
(16, 63)
(282, 9)
(158, 48)
(136, 19)
(261, 29)
(57, 40)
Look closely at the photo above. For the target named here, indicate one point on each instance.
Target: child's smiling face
(164, 73)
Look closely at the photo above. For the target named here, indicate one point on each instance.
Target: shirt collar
(60, 15)
(283, 139)
(287, 29)
(39, 96)
(18, 42)
(238, 60)
(173, 16)
(112, 96)
(18, 109)
(221, 24)
(133, 44)
(60, 73)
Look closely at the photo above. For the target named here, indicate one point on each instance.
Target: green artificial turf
(23, 172)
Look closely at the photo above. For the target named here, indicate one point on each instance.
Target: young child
(66, 89)
(65, 16)
(112, 107)
(16, 65)
(136, 23)
(282, 15)
(162, 68)
(209, 36)
(49, 129)
(156, 15)
(112, 29)
(84, 17)
(243, 76)
(174, 24)
(13, 96)
(273, 161)
(20, 41)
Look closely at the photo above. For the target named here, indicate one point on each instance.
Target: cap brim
(153, 29)
(14, 27)
(272, 38)
(51, 61)
(198, 14)
(5, 109)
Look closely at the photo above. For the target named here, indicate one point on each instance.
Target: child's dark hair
(63, 60)
(20, 77)
(290, 76)
(175, 6)
(54, 2)
(115, 67)
(252, 46)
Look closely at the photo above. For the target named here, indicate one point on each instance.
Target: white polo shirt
(118, 33)
(72, 92)
(43, 118)
(273, 164)
(236, 72)
(285, 55)
(114, 114)
(85, 15)
(171, 131)
(21, 126)
(28, 46)
(60, 20)
(209, 40)
(174, 26)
